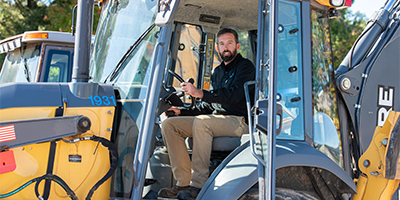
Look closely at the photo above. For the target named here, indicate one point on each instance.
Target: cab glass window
(59, 67)
(289, 71)
(325, 124)
(21, 65)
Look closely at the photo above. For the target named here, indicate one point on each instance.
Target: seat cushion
(219, 143)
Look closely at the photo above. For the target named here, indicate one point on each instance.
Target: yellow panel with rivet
(373, 184)
(80, 164)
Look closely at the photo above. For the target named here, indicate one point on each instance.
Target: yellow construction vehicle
(37, 56)
(98, 136)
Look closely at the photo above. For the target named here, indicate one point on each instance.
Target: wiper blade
(117, 69)
(26, 71)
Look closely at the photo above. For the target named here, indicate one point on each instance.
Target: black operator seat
(219, 143)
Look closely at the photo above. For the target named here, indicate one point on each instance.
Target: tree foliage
(345, 29)
(18, 16)
(60, 14)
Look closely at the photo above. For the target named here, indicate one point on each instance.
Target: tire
(289, 194)
(280, 194)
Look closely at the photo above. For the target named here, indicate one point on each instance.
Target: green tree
(60, 15)
(345, 29)
(18, 16)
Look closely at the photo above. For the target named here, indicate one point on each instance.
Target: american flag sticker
(7, 133)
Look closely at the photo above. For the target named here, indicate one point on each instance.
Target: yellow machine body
(345, 3)
(374, 184)
(32, 160)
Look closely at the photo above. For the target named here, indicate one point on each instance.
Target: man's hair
(228, 30)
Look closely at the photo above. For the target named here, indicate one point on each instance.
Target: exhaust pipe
(80, 70)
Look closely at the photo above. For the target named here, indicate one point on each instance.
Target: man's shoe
(190, 193)
(171, 193)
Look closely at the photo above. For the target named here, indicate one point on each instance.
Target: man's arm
(189, 89)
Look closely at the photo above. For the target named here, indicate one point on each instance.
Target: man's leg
(205, 127)
(174, 129)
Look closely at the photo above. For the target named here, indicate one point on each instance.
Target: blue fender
(238, 172)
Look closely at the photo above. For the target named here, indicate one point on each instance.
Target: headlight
(336, 3)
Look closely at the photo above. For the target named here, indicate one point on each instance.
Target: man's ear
(238, 46)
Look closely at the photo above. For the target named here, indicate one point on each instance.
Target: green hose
(52, 177)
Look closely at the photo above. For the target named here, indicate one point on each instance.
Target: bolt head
(345, 83)
(385, 141)
(366, 163)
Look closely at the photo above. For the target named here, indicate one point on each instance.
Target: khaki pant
(202, 128)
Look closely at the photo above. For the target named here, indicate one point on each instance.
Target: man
(221, 113)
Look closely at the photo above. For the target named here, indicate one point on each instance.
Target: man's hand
(189, 89)
(176, 110)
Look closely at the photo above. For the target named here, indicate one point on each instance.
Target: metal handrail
(248, 105)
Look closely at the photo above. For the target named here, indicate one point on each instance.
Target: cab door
(282, 102)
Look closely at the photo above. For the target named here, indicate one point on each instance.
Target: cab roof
(212, 14)
(15, 42)
(240, 14)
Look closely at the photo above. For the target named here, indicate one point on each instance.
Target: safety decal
(75, 158)
(206, 83)
(210, 43)
(7, 133)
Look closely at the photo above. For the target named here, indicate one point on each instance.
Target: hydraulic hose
(18, 189)
(59, 181)
(114, 163)
(114, 159)
(113, 166)
(52, 177)
(365, 41)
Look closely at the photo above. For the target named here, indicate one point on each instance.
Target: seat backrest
(219, 143)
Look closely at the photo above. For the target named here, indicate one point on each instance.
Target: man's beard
(230, 57)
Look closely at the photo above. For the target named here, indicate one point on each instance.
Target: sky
(367, 7)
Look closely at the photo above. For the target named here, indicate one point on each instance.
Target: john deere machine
(314, 133)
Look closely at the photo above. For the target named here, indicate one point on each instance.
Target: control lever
(169, 113)
(191, 80)
(180, 94)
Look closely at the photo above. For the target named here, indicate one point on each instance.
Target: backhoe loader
(310, 128)
(37, 56)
